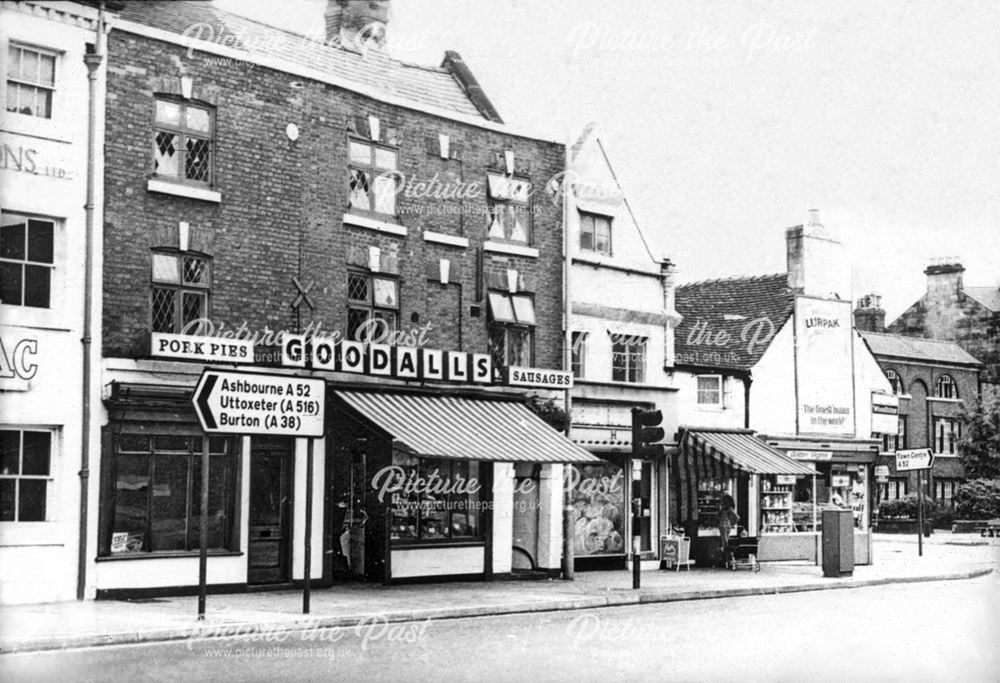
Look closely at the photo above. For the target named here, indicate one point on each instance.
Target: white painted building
(622, 340)
(776, 358)
(44, 137)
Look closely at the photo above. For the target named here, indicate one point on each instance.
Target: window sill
(443, 543)
(712, 408)
(940, 399)
(182, 190)
(189, 554)
(450, 240)
(374, 224)
(513, 249)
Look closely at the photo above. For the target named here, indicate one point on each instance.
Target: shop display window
(838, 487)
(435, 499)
(710, 492)
(777, 493)
(157, 494)
(598, 497)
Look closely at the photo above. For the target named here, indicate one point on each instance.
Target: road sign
(914, 459)
(256, 403)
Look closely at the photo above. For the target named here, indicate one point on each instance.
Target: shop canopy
(738, 450)
(466, 428)
(711, 454)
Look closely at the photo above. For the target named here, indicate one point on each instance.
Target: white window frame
(946, 381)
(50, 479)
(635, 361)
(721, 403)
(378, 176)
(53, 88)
(948, 446)
(578, 354)
(594, 218)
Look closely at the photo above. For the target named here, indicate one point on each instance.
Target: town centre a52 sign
(258, 403)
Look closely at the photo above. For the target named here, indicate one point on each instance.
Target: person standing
(727, 520)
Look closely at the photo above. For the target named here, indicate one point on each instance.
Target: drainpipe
(93, 60)
(747, 381)
(565, 190)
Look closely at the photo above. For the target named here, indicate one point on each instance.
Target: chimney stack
(356, 24)
(816, 263)
(869, 316)
(944, 277)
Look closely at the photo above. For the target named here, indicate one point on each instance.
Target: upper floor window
(946, 387)
(947, 433)
(710, 390)
(31, 80)
(511, 329)
(510, 217)
(25, 475)
(578, 354)
(372, 306)
(372, 177)
(26, 260)
(183, 135)
(595, 233)
(180, 291)
(894, 442)
(895, 380)
(628, 359)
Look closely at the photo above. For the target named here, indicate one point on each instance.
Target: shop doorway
(527, 482)
(270, 527)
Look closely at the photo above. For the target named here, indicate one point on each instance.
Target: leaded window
(180, 292)
(372, 177)
(183, 134)
(372, 306)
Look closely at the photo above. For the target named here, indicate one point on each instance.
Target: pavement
(260, 616)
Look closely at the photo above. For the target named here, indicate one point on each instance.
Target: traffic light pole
(646, 432)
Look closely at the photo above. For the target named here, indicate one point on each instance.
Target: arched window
(946, 387)
(895, 380)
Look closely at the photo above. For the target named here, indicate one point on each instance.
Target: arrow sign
(257, 403)
(914, 459)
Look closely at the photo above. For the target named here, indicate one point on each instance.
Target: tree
(549, 411)
(979, 448)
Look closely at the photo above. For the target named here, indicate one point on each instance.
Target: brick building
(951, 311)
(933, 380)
(280, 190)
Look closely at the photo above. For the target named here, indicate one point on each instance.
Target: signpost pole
(203, 542)
(920, 515)
(307, 559)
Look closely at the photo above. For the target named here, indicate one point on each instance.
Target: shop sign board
(258, 403)
(914, 459)
(386, 360)
(537, 378)
(824, 366)
(882, 474)
(785, 480)
(817, 456)
(839, 481)
(885, 413)
(204, 349)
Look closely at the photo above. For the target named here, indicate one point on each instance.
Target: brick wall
(950, 314)
(283, 202)
(919, 380)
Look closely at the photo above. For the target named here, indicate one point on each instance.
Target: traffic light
(646, 432)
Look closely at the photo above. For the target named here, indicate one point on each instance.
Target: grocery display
(776, 508)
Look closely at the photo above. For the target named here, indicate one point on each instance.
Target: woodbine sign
(364, 358)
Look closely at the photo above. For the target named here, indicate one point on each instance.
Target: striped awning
(721, 454)
(466, 428)
(741, 450)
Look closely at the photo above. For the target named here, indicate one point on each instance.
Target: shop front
(713, 463)
(433, 485)
(844, 481)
